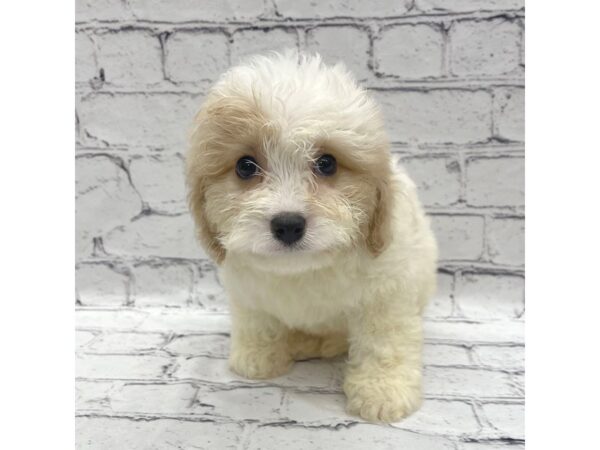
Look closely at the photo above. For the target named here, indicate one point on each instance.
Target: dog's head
(289, 165)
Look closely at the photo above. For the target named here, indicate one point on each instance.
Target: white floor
(158, 379)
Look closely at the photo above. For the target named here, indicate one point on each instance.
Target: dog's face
(289, 166)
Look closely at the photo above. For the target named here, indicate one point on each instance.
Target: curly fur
(359, 279)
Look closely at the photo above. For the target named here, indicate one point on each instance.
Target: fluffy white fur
(359, 279)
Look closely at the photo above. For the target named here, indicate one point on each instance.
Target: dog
(322, 245)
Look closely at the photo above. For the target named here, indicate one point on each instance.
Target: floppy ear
(380, 224)
(206, 235)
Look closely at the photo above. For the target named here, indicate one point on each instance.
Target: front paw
(382, 398)
(261, 363)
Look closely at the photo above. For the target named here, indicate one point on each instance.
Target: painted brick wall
(449, 75)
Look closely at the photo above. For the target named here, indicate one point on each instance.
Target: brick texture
(152, 317)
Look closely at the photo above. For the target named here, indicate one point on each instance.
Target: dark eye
(326, 165)
(246, 167)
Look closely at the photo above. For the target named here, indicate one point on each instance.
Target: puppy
(322, 244)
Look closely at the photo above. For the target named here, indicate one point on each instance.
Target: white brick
(437, 116)
(506, 241)
(500, 331)
(467, 5)
(410, 51)
(495, 181)
(105, 199)
(489, 296)
(437, 179)
(101, 10)
(126, 343)
(331, 42)
(101, 284)
(358, 437)
(126, 367)
(108, 320)
(509, 114)
(193, 56)
(209, 370)
(466, 383)
(164, 285)
(100, 433)
(311, 407)
(215, 346)
(445, 355)
(303, 9)
(85, 58)
(156, 120)
(488, 446)
(153, 398)
(192, 11)
(258, 403)
(209, 292)
(160, 182)
(441, 303)
(501, 357)
(184, 320)
(251, 42)
(93, 394)
(460, 237)
(442, 417)
(153, 235)
(83, 339)
(130, 57)
(484, 47)
(508, 420)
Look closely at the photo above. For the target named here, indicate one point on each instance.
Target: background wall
(449, 77)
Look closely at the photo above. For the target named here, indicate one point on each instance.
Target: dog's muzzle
(288, 228)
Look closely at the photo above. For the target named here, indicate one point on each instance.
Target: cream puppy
(322, 244)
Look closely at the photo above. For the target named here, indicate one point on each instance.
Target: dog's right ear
(197, 202)
(197, 181)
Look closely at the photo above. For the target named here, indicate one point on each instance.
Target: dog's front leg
(383, 378)
(258, 344)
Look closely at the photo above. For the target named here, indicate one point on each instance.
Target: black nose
(288, 227)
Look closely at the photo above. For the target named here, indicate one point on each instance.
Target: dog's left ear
(380, 225)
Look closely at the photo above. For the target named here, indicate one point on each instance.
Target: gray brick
(506, 241)
(105, 199)
(301, 9)
(155, 235)
(441, 303)
(331, 42)
(159, 180)
(509, 114)
(164, 285)
(440, 6)
(488, 296)
(437, 116)
(508, 420)
(126, 343)
(460, 237)
(100, 433)
(216, 346)
(484, 47)
(442, 417)
(85, 58)
(358, 437)
(130, 57)
(101, 10)
(466, 382)
(437, 177)
(191, 11)
(126, 367)
(154, 398)
(501, 357)
(157, 120)
(410, 51)
(247, 42)
(495, 181)
(101, 285)
(196, 56)
(259, 403)
(446, 355)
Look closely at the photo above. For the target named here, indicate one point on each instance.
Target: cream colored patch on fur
(360, 277)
